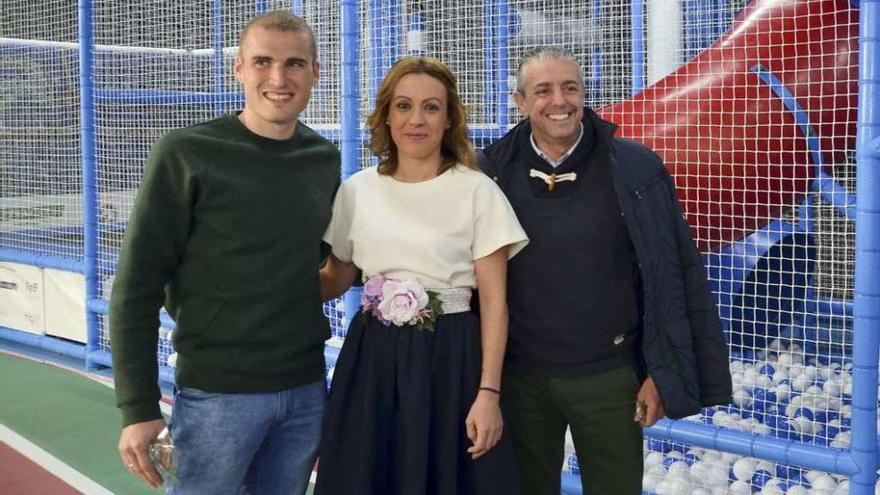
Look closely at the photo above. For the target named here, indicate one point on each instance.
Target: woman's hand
(484, 423)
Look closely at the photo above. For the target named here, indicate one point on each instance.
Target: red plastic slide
(737, 154)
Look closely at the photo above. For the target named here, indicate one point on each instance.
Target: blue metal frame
(866, 299)
(491, 94)
(219, 69)
(89, 173)
(637, 9)
(501, 53)
(350, 136)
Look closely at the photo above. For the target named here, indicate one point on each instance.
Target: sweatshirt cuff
(139, 412)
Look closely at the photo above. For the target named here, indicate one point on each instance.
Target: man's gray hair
(544, 53)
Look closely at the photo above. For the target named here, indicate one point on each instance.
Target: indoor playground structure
(767, 113)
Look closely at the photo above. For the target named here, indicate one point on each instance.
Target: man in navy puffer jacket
(610, 309)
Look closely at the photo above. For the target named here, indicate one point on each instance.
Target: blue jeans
(232, 444)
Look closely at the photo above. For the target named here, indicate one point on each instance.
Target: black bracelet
(490, 389)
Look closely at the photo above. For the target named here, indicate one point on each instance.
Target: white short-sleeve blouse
(431, 231)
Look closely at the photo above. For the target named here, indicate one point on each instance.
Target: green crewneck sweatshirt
(226, 232)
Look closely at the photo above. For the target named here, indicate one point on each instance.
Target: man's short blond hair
(280, 20)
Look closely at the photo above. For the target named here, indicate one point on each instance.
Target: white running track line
(51, 463)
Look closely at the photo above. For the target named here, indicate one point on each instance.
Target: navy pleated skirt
(395, 421)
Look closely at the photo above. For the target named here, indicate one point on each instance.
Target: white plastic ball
(701, 491)
(780, 375)
(744, 468)
(761, 429)
(810, 371)
(649, 482)
(800, 383)
(699, 470)
(803, 425)
(775, 345)
(832, 388)
(736, 378)
(813, 390)
(680, 470)
(772, 487)
(847, 389)
(824, 482)
(736, 366)
(727, 457)
(783, 392)
(797, 490)
(717, 474)
(749, 372)
(763, 381)
(846, 411)
(812, 475)
(834, 404)
(657, 470)
(742, 398)
(741, 488)
(841, 440)
(171, 361)
(653, 459)
(785, 358)
(662, 487)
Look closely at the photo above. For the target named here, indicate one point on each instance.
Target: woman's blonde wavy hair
(455, 147)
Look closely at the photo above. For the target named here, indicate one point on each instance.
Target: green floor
(68, 416)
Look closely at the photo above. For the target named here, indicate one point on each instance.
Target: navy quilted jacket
(682, 344)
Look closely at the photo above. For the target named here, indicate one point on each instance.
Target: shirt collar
(556, 163)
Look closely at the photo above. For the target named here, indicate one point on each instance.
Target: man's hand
(649, 407)
(133, 449)
(484, 424)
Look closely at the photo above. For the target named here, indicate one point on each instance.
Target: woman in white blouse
(414, 406)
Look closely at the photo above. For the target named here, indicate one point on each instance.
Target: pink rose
(373, 286)
(402, 301)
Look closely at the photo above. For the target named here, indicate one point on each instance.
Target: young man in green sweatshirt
(226, 233)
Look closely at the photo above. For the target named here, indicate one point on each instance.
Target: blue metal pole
(502, 65)
(45, 342)
(866, 298)
(89, 173)
(395, 29)
(772, 449)
(219, 70)
(638, 45)
(261, 6)
(596, 59)
(490, 66)
(349, 141)
(297, 8)
(374, 62)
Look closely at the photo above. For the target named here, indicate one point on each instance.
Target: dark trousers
(599, 409)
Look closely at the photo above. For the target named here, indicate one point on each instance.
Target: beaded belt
(455, 299)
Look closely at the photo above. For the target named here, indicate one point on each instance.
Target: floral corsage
(401, 302)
